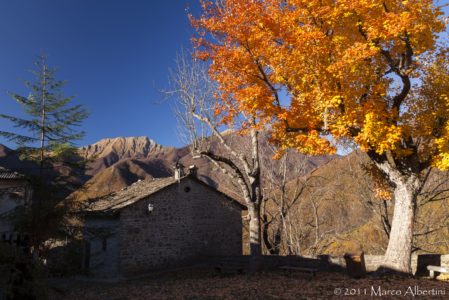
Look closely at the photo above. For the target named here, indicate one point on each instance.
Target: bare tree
(432, 214)
(284, 194)
(293, 218)
(202, 125)
(321, 237)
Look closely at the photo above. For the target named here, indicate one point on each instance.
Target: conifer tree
(51, 125)
(46, 137)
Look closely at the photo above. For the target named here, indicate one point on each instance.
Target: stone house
(15, 192)
(160, 223)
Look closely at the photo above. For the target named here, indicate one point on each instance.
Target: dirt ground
(208, 284)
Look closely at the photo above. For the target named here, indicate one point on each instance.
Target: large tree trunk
(254, 237)
(254, 229)
(398, 255)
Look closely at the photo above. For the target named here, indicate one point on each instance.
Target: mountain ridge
(108, 151)
(131, 146)
(122, 160)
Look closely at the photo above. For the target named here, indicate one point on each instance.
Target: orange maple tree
(348, 69)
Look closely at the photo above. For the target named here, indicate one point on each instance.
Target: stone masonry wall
(419, 262)
(13, 193)
(189, 221)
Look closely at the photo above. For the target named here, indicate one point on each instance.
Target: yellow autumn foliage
(343, 65)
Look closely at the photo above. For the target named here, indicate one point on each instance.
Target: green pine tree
(46, 136)
(53, 121)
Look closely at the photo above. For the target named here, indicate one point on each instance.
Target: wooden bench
(289, 269)
(433, 269)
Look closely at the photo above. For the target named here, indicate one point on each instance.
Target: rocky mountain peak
(122, 147)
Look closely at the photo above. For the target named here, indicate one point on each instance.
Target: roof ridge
(137, 191)
(131, 194)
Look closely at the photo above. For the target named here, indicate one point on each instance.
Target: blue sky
(115, 55)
